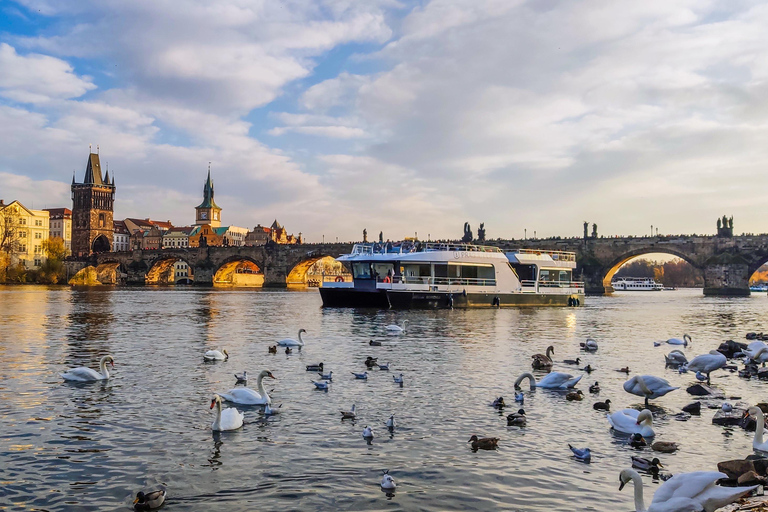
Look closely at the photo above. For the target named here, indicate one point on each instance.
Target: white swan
(677, 341)
(228, 419)
(630, 421)
(290, 342)
(707, 363)
(247, 396)
(216, 355)
(757, 442)
(590, 345)
(675, 358)
(686, 492)
(757, 351)
(397, 328)
(554, 380)
(648, 387)
(84, 374)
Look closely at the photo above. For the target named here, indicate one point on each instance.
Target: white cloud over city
(335, 116)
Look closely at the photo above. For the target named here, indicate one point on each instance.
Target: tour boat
(636, 284)
(449, 275)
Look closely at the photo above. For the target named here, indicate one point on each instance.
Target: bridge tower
(92, 210)
(208, 212)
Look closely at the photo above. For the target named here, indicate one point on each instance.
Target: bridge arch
(110, 272)
(167, 271)
(313, 270)
(239, 270)
(613, 267)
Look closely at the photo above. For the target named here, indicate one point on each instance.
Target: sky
(394, 115)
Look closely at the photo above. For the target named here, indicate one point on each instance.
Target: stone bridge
(726, 262)
(276, 262)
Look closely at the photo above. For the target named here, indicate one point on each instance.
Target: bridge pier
(727, 279)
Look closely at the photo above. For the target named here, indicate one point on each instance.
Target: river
(92, 447)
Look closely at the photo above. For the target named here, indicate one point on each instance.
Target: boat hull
(446, 300)
(353, 298)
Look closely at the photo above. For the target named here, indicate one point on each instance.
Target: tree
(10, 234)
(52, 270)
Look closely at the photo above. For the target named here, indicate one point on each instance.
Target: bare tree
(10, 234)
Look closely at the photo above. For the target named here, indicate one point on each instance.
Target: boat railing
(410, 247)
(450, 281)
(532, 284)
(555, 255)
(438, 246)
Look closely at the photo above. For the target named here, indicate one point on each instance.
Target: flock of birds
(695, 491)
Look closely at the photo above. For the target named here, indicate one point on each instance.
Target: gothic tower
(92, 207)
(208, 212)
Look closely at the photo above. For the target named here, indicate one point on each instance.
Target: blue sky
(338, 115)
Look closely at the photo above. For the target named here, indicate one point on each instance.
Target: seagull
(242, 379)
(727, 407)
(701, 377)
(326, 376)
(348, 415)
(398, 380)
(519, 397)
(320, 385)
(391, 422)
(387, 482)
(368, 433)
(362, 376)
(582, 454)
(384, 366)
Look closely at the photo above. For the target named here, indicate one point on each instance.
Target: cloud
(36, 78)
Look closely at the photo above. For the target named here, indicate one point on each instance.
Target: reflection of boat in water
(636, 284)
(443, 275)
(759, 287)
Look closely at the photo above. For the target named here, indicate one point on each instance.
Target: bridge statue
(586, 230)
(381, 237)
(365, 235)
(467, 238)
(730, 223)
(481, 232)
(594, 230)
(719, 224)
(725, 221)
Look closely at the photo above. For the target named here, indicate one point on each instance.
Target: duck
(322, 386)
(374, 343)
(242, 379)
(685, 492)
(361, 376)
(678, 341)
(707, 363)
(664, 446)
(594, 388)
(384, 367)
(398, 380)
(554, 380)
(588, 368)
(370, 362)
(758, 443)
(397, 328)
(272, 349)
(391, 422)
(648, 386)
(572, 361)
(85, 374)
(315, 367)
(326, 376)
(387, 482)
(644, 464)
(630, 421)
(288, 350)
(624, 370)
(247, 396)
(149, 500)
(519, 397)
(269, 410)
(483, 443)
(290, 342)
(367, 433)
(675, 358)
(517, 419)
(575, 396)
(227, 419)
(581, 454)
(590, 345)
(602, 406)
(349, 415)
(637, 441)
(216, 355)
(543, 361)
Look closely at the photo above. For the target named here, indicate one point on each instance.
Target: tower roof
(93, 171)
(208, 193)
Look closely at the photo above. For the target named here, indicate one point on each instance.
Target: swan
(388, 483)
(648, 386)
(707, 363)
(675, 358)
(685, 492)
(757, 352)
(555, 380)
(228, 419)
(758, 443)
(543, 361)
(590, 345)
(290, 342)
(397, 328)
(247, 396)
(84, 374)
(630, 421)
(216, 355)
(149, 500)
(391, 422)
(677, 341)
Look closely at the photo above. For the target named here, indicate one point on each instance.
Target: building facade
(122, 237)
(176, 237)
(60, 225)
(92, 209)
(22, 233)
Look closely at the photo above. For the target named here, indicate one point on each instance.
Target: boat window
(361, 270)
(417, 270)
(525, 272)
(565, 275)
(382, 270)
(478, 272)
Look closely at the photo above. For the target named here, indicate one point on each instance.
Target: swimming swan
(397, 328)
(707, 363)
(216, 355)
(543, 361)
(677, 341)
(675, 358)
(757, 351)
(554, 380)
(84, 374)
(290, 342)
(648, 387)
(757, 442)
(685, 492)
(228, 419)
(247, 396)
(630, 421)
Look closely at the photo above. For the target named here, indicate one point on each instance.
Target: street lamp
(525, 233)
(323, 238)
(651, 229)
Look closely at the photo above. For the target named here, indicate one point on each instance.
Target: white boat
(759, 287)
(636, 284)
(449, 275)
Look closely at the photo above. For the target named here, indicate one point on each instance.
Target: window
(38, 222)
(38, 249)
(101, 220)
(38, 235)
(22, 234)
(23, 248)
(23, 221)
(38, 262)
(361, 270)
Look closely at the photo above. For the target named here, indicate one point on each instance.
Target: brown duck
(484, 443)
